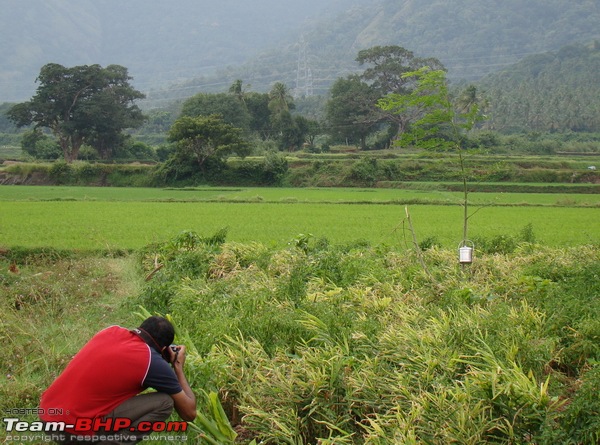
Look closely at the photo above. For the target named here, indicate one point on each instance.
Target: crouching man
(100, 388)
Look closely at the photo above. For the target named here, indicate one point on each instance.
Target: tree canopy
(228, 105)
(352, 111)
(386, 66)
(82, 104)
(201, 138)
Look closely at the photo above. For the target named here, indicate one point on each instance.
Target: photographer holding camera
(103, 382)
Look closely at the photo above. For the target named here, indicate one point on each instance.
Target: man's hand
(178, 356)
(185, 401)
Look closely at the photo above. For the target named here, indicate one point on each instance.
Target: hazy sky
(157, 40)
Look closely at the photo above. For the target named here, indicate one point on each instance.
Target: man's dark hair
(160, 329)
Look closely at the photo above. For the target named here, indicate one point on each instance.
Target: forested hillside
(470, 37)
(554, 91)
(177, 47)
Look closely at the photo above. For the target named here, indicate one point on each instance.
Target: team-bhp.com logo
(85, 428)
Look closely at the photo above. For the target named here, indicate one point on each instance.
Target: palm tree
(237, 89)
(280, 99)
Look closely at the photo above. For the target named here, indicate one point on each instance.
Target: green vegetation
(548, 92)
(346, 343)
(383, 168)
(82, 105)
(573, 195)
(560, 122)
(86, 218)
(318, 313)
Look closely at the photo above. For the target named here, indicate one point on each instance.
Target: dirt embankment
(34, 178)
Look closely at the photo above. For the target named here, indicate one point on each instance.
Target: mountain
(159, 42)
(548, 92)
(175, 49)
(470, 37)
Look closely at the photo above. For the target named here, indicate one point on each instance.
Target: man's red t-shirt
(111, 368)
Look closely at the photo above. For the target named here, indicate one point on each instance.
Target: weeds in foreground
(337, 344)
(357, 344)
(50, 306)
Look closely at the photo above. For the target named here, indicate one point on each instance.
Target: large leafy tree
(385, 72)
(82, 104)
(229, 106)
(386, 67)
(350, 112)
(202, 138)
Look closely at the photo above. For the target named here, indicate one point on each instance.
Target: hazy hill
(177, 47)
(553, 91)
(160, 42)
(471, 37)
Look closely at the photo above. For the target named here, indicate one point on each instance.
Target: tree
(386, 73)
(39, 145)
(280, 99)
(6, 125)
(257, 105)
(237, 90)
(431, 104)
(82, 104)
(310, 129)
(232, 110)
(202, 138)
(287, 130)
(292, 131)
(351, 112)
(387, 66)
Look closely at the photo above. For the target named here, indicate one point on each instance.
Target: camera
(167, 355)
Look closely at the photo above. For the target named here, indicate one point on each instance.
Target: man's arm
(185, 401)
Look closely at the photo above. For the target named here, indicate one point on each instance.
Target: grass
(11, 152)
(428, 193)
(105, 218)
(50, 307)
(359, 345)
(103, 225)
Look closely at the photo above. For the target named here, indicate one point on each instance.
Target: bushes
(270, 170)
(580, 421)
(503, 243)
(365, 171)
(304, 170)
(356, 344)
(83, 173)
(567, 287)
(61, 173)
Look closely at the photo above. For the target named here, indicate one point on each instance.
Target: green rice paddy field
(90, 218)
